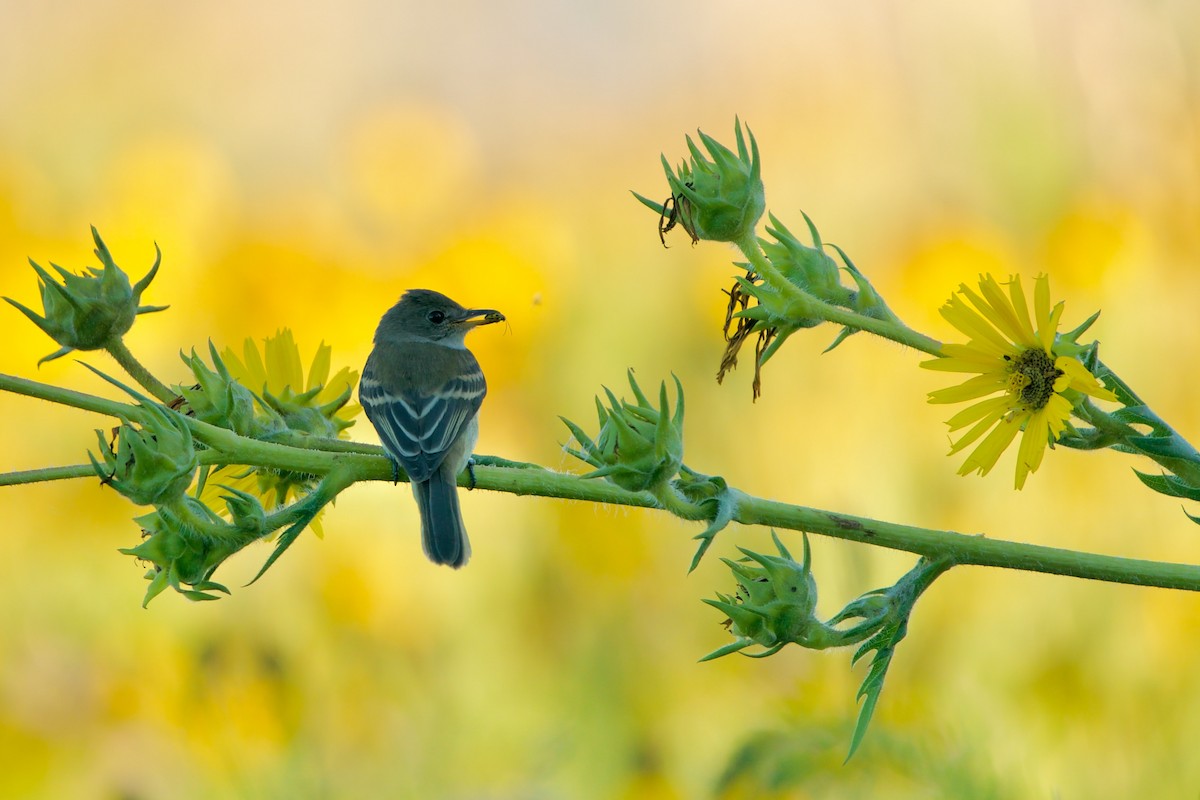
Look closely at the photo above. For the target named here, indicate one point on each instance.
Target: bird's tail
(443, 535)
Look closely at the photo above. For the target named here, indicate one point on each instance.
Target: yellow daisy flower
(1013, 355)
(277, 375)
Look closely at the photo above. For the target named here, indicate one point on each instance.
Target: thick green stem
(1120, 434)
(522, 479)
(47, 474)
(117, 349)
(978, 550)
(68, 397)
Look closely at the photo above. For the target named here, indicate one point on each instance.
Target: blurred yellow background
(302, 164)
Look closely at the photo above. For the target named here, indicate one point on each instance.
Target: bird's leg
(395, 469)
(471, 473)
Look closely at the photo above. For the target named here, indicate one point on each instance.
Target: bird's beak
(481, 316)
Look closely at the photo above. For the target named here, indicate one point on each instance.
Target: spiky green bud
(780, 592)
(775, 605)
(180, 553)
(219, 399)
(717, 197)
(301, 412)
(809, 268)
(639, 446)
(88, 311)
(246, 512)
(154, 463)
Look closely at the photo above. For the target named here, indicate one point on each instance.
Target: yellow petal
(999, 310)
(1021, 309)
(283, 363)
(1041, 297)
(1032, 448)
(1081, 379)
(235, 366)
(1057, 411)
(977, 328)
(968, 438)
(256, 370)
(994, 407)
(986, 454)
(318, 373)
(955, 364)
(1046, 322)
(979, 386)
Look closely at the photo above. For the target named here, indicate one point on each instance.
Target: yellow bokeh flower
(281, 372)
(308, 404)
(1020, 382)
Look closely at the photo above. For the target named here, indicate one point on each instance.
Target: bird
(422, 389)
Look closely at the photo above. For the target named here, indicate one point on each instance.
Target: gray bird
(421, 388)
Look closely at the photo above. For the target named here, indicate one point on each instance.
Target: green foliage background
(302, 167)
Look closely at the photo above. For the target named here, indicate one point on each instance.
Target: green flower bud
(153, 464)
(809, 268)
(301, 412)
(719, 200)
(639, 446)
(747, 622)
(180, 554)
(865, 300)
(88, 311)
(219, 399)
(246, 511)
(775, 603)
(777, 310)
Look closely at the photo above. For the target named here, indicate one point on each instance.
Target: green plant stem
(234, 449)
(978, 550)
(523, 479)
(68, 472)
(1117, 433)
(896, 331)
(46, 474)
(68, 397)
(117, 349)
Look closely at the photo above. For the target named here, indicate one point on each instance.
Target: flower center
(1031, 377)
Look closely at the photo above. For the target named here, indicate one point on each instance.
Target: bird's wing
(419, 426)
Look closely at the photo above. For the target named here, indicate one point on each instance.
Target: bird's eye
(436, 317)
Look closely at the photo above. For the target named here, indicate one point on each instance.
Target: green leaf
(191, 594)
(1169, 485)
(1073, 335)
(284, 541)
(884, 644)
(732, 647)
(723, 504)
(1161, 446)
(1141, 415)
(904, 594)
(156, 587)
(843, 335)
